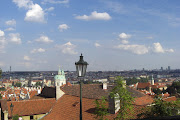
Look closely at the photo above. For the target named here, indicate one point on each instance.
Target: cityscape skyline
(111, 35)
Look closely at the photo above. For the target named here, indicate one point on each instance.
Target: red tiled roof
(67, 108)
(143, 85)
(32, 93)
(145, 100)
(169, 99)
(31, 107)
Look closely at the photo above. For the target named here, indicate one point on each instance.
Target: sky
(112, 35)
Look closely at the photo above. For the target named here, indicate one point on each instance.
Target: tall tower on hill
(152, 80)
(59, 81)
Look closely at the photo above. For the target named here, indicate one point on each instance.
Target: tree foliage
(120, 92)
(130, 81)
(174, 88)
(38, 84)
(161, 108)
(2, 89)
(101, 109)
(15, 117)
(157, 91)
(18, 84)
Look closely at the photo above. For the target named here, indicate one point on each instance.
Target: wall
(25, 117)
(38, 116)
(5, 115)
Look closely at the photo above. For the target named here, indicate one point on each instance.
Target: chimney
(114, 104)
(59, 92)
(104, 86)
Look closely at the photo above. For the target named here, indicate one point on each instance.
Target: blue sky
(111, 34)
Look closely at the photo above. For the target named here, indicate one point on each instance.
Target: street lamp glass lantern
(81, 67)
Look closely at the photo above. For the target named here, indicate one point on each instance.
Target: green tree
(15, 117)
(0, 96)
(120, 92)
(38, 84)
(161, 108)
(101, 109)
(157, 91)
(2, 89)
(174, 88)
(18, 84)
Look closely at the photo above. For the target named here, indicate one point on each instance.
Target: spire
(152, 77)
(59, 72)
(152, 80)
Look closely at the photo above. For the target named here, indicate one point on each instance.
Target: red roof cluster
(31, 107)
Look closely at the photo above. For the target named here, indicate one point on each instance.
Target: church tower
(152, 80)
(59, 81)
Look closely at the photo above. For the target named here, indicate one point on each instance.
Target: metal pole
(11, 114)
(80, 99)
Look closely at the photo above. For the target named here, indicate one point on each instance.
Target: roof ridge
(33, 100)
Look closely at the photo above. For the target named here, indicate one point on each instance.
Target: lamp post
(81, 67)
(11, 107)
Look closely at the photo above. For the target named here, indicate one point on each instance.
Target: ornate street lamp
(81, 67)
(11, 107)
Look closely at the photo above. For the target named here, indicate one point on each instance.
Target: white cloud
(35, 14)
(63, 27)
(29, 42)
(9, 29)
(15, 38)
(49, 9)
(1, 33)
(67, 48)
(26, 64)
(11, 22)
(44, 39)
(124, 41)
(27, 58)
(137, 49)
(124, 36)
(2, 44)
(95, 16)
(2, 41)
(40, 50)
(23, 3)
(149, 37)
(97, 45)
(56, 1)
(157, 48)
(170, 50)
(1, 64)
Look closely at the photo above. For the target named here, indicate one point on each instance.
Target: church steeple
(59, 72)
(60, 78)
(59, 81)
(152, 80)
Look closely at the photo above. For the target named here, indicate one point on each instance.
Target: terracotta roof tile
(145, 100)
(143, 85)
(64, 109)
(169, 99)
(67, 108)
(31, 107)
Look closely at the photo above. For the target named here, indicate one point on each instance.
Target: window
(31, 117)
